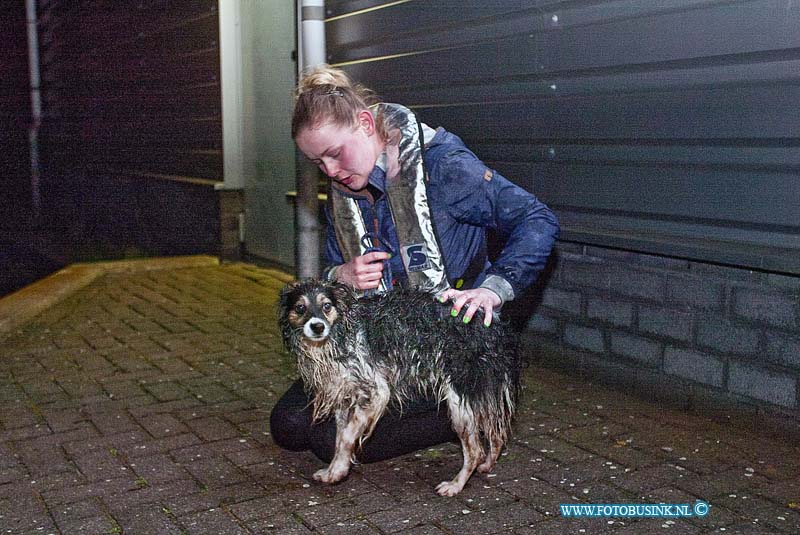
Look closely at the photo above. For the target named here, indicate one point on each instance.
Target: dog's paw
(448, 488)
(486, 466)
(327, 475)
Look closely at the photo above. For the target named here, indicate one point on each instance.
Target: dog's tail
(494, 413)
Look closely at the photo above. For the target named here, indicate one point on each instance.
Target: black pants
(422, 424)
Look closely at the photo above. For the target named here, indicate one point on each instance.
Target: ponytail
(326, 94)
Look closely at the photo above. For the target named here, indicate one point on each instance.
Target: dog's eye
(300, 309)
(326, 307)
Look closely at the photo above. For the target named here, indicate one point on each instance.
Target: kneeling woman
(408, 206)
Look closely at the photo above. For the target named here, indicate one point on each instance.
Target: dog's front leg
(350, 427)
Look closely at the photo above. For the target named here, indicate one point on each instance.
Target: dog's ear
(346, 296)
(286, 291)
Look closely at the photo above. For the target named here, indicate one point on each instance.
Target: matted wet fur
(356, 356)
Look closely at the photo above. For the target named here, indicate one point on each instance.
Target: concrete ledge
(21, 306)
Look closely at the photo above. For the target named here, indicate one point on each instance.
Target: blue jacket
(465, 199)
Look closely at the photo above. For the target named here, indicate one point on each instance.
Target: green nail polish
(486, 324)
(466, 319)
(454, 312)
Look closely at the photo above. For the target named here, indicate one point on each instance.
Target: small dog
(356, 356)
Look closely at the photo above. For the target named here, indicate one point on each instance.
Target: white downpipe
(36, 106)
(313, 23)
(230, 45)
(311, 40)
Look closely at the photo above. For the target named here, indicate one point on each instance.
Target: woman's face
(346, 154)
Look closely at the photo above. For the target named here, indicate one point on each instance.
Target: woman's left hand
(474, 299)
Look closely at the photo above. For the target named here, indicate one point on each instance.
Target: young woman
(408, 205)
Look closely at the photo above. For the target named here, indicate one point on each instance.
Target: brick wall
(686, 327)
(231, 207)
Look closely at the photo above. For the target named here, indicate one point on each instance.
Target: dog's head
(310, 309)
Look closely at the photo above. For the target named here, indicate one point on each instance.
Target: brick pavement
(139, 405)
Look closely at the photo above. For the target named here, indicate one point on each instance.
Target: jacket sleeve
(333, 256)
(480, 196)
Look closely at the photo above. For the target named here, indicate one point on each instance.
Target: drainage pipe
(36, 106)
(311, 40)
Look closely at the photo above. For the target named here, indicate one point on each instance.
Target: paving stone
(640, 482)
(162, 425)
(146, 494)
(19, 416)
(347, 527)
(41, 460)
(24, 513)
(88, 508)
(212, 521)
(13, 474)
(718, 516)
(424, 511)
(100, 464)
(158, 468)
(745, 528)
(484, 497)
(576, 413)
(495, 520)
(250, 510)
(557, 449)
(97, 524)
(76, 444)
(722, 483)
(186, 503)
(320, 515)
(24, 433)
(539, 494)
(655, 525)
(212, 429)
(113, 422)
(397, 479)
(216, 472)
(91, 489)
(147, 447)
(153, 519)
(603, 492)
(768, 514)
(571, 526)
(424, 530)
(283, 524)
(53, 481)
(167, 390)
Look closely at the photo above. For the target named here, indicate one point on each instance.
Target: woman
(408, 205)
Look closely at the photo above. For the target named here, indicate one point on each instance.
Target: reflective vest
(407, 194)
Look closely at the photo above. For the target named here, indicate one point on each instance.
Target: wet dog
(357, 356)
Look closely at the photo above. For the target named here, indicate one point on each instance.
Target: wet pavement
(139, 403)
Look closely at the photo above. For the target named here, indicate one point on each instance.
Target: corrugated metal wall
(15, 111)
(668, 127)
(132, 131)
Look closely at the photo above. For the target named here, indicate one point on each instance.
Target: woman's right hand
(363, 272)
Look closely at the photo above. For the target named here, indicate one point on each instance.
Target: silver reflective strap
(408, 199)
(349, 224)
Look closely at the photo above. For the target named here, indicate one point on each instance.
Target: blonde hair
(326, 94)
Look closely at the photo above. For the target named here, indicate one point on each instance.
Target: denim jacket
(466, 198)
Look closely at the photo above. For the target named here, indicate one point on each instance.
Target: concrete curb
(21, 306)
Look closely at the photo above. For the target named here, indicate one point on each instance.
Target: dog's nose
(317, 327)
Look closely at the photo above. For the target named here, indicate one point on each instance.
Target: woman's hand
(474, 299)
(363, 272)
